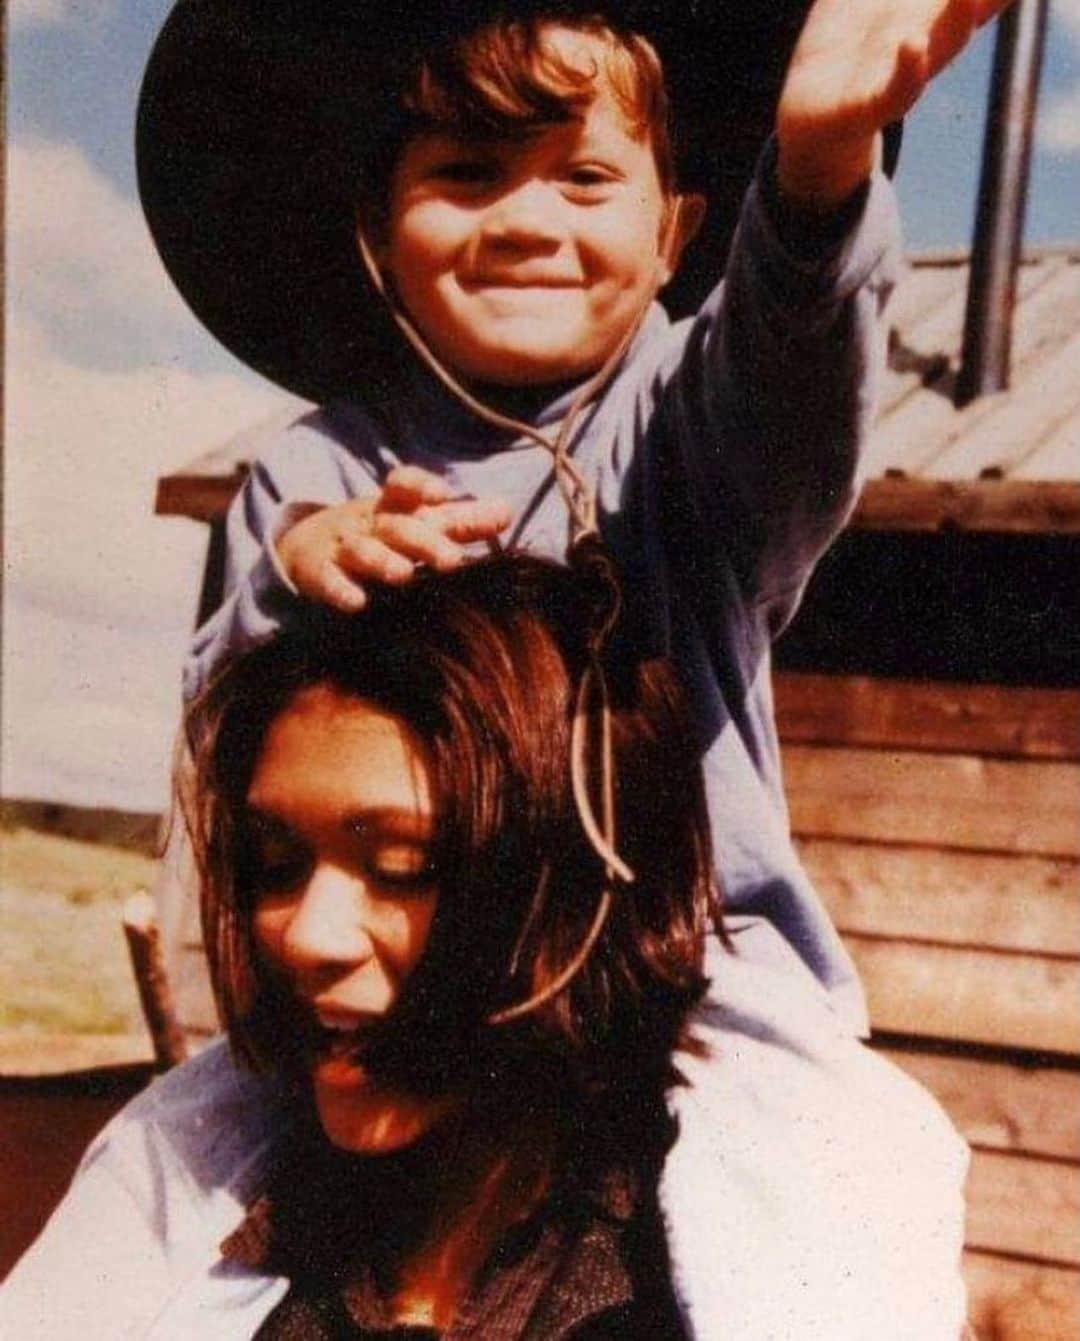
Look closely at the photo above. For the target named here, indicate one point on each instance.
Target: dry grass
(63, 960)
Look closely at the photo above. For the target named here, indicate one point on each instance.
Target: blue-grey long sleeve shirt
(725, 454)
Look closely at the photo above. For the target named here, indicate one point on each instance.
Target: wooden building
(928, 704)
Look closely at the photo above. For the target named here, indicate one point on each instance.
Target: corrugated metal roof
(1006, 462)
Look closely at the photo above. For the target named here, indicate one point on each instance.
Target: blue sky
(110, 382)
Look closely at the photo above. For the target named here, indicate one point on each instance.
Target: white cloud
(100, 593)
(1058, 124)
(1068, 13)
(79, 254)
(90, 709)
(52, 13)
(84, 449)
(31, 13)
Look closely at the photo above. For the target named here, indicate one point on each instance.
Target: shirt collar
(530, 1269)
(430, 413)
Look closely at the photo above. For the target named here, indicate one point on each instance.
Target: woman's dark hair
(483, 665)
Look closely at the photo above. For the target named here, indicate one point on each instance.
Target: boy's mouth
(523, 280)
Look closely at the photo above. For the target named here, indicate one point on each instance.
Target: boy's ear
(686, 214)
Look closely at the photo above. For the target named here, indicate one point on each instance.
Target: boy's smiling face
(525, 260)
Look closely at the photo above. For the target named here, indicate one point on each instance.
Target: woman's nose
(328, 924)
(529, 215)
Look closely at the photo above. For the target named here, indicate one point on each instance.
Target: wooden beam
(23, 1055)
(927, 715)
(998, 1106)
(1005, 506)
(204, 487)
(922, 288)
(1021, 1301)
(1028, 1207)
(971, 996)
(930, 337)
(941, 800)
(204, 498)
(989, 900)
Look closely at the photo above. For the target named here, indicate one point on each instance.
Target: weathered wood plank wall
(941, 823)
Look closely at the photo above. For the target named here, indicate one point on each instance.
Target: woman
(459, 978)
(398, 890)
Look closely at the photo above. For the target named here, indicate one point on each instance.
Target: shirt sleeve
(100, 1268)
(259, 598)
(132, 1251)
(773, 398)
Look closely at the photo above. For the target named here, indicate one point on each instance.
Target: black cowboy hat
(255, 113)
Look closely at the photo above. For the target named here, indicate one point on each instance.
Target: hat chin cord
(591, 747)
(579, 496)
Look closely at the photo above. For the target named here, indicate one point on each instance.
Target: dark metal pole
(999, 215)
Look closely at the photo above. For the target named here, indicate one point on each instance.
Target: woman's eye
(275, 872)
(401, 865)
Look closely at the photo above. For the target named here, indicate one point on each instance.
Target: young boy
(523, 214)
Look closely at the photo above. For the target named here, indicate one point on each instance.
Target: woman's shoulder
(135, 1240)
(209, 1121)
(772, 1035)
(805, 1158)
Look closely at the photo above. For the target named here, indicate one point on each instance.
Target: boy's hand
(332, 554)
(858, 65)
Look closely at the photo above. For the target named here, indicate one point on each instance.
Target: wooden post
(144, 945)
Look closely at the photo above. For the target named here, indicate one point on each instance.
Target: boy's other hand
(857, 66)
(334, 553)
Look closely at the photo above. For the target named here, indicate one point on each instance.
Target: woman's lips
(337, 1040)
(339, 1019)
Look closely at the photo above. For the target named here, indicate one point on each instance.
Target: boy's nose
(329, 923)
(530, 215)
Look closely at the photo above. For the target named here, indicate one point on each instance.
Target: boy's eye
(589, 182)
(589, 174)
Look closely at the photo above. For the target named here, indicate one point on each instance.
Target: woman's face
(339, 816)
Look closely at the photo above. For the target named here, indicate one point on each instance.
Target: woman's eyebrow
(262, 821)
(390, 821)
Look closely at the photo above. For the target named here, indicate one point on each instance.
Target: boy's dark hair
(508, 77)
(482, 664)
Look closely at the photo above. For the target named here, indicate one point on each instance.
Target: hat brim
(249, 118)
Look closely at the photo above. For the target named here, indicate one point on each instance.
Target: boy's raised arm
(859, 65)
(775, 394)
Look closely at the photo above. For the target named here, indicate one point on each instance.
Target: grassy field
(63, 961)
